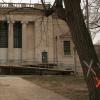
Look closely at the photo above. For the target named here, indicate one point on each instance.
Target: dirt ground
(16, 88)
(72, 87)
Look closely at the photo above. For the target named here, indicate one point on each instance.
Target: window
(3, 34)
(17, 28)
(66, 45)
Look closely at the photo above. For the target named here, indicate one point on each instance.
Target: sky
(26, 1)
(97, 37)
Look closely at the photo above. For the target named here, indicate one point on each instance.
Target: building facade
(28, 37)
(97, 48)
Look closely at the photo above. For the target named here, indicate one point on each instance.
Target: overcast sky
(37, 1)
(26, 1)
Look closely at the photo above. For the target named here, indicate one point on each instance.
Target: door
(44, 57)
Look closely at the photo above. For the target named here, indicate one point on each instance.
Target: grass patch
(72, 87)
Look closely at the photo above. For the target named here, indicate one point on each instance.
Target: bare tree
(91, 11)
(81, 37)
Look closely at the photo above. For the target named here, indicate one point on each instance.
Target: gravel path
(16, 88)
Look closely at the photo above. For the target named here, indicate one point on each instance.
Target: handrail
(15, 5)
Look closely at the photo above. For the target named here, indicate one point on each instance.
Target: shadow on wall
(97, 48)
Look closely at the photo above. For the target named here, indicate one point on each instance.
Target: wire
(45, 31)
(59, 27)
(41, 39)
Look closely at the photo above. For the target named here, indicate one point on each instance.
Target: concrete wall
(38, 34)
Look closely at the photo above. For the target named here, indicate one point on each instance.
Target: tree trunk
(84, 46)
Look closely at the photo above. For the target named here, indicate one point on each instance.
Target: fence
(15, 5)
(51, 64)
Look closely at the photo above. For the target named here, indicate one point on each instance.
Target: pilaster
(10, 41)
(24, 40)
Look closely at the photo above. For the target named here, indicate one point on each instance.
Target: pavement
(16, 88)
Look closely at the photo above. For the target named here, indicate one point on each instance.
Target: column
(10, 41)
(24, 40)
(30, 42)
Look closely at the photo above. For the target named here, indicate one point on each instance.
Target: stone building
(97, 48)
(28, 37)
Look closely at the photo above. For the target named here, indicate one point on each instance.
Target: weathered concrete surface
(16, 88)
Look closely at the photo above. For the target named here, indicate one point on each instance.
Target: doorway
(44, 57)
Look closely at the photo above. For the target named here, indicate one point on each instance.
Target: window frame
(17, 37)
(68, 53)
(4, 37)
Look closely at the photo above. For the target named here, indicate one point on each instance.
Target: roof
(6, 8)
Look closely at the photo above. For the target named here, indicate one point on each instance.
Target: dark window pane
(3, 34)
(66, 45)
(44, 57)
(17, 34)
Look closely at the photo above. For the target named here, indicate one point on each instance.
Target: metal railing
(55, 65)
(15, 5)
